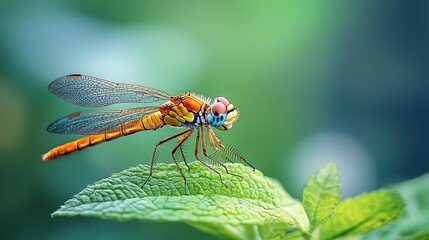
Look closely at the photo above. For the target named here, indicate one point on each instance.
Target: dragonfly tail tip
(47, 156)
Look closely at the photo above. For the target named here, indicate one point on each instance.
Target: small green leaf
(413, 224)
(321, 195)
(253, 200)
(362, 214)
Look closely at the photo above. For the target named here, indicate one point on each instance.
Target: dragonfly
(186, 110)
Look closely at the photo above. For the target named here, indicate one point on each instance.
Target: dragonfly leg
(154, 155)
(184, 159)
(202, 162)
(179, 143)
(233, 153)
(211, 141)
(203, 144)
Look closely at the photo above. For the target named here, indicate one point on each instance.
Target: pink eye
(223, 100)
(218, 109)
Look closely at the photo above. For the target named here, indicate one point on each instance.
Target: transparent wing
(88, 91)
(87, 123)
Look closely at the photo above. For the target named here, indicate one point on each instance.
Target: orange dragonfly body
(183, 110)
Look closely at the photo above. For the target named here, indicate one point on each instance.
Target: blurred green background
(314, 81)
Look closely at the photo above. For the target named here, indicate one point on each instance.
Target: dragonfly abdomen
(153, 121)
(150, 122)
(79, 144)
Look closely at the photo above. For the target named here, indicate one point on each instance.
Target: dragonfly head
(222, 114)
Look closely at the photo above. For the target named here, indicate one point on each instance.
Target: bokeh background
(315, 82)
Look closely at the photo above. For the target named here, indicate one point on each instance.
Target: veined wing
(88, 91)
(87, 123)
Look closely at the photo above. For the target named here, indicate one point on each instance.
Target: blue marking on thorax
(216, 121)
(196, 121)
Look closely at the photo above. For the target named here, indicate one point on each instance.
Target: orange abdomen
(151, 122)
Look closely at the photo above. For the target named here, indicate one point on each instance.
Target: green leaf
(321, 195)
(413, 224)
(269, 230)
(362, 214)
(253, 200)
(293, 207)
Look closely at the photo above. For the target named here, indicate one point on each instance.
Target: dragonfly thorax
(222, 114)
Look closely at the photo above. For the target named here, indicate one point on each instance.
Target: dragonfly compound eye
(217, 115)
(222, 100)
(218, 108)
